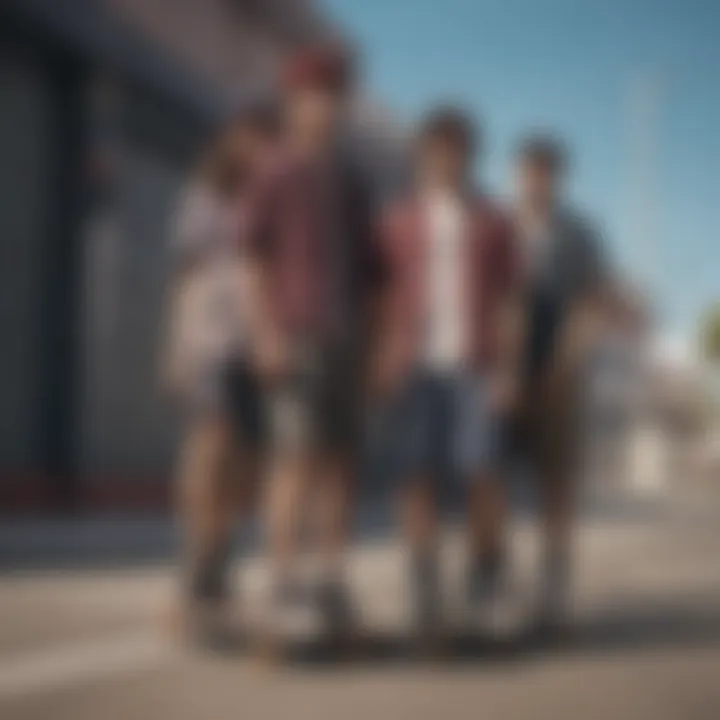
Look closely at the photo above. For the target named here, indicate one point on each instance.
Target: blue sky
(632, 85)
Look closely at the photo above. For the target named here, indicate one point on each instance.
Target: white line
(66, 665)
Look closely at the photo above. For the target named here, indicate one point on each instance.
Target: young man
(207, 367)
(566, 275)
(310, 241)
(448, 344)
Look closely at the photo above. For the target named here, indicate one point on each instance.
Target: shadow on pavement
(607, 632)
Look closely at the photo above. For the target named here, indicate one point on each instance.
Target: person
(567, 275)
(447, 351)
(310, 242)
(207, 366)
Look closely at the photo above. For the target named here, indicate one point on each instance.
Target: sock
(425, 587)
(286, 587)
(331, 575)
(490, 564)
(556, 575)
(208, 579)
(334, 601)
(485, 570)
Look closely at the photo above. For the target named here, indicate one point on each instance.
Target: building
(102, 106)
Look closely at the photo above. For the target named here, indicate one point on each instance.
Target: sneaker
(293, 613)
(492, 607)
(335, 608)
(288, 620)
(551, 616)
(426, 639)
(207, 625)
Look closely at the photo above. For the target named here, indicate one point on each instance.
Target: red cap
(326, 68)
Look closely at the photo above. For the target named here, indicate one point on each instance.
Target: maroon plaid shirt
(309, 224)
(492, 274)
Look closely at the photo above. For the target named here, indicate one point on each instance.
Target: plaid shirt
(310, 226)
(492, 274)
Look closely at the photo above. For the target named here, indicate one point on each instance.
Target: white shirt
(446, 310)
(211, 315)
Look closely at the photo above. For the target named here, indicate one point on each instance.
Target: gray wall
(25, 117)
(128, 429)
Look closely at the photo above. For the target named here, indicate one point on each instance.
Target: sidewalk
(103, 541)
(100, 541)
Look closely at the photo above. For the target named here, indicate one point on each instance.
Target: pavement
(89, 642)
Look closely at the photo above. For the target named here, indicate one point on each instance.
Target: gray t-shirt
(569, 263)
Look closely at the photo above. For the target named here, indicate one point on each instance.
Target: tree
(710, 334)
(710, 349)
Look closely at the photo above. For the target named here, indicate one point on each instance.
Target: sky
(632, 86)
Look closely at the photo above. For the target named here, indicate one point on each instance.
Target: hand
(271, 355)
(386, 368)
(172, 382)
(576, 341)
(174, 376)
(566, 364)
(503, 393)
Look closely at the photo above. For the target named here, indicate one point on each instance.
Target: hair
(545, 151)
(452, 125)
(329, 66)
(217, 167)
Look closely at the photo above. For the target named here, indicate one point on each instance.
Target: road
(90, 644)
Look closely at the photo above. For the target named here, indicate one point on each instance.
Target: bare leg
(242, 480)
(556, 456)
(202, 479)
(286, 496)
(491, 609)
(420, 526)
(333, 501)
(487, 519)
(206, 524)
(419, 516)
(557, 494)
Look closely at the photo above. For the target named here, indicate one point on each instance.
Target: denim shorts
(442, 428)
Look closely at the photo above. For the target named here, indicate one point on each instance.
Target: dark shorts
(545, 431)
(316, 406)
(229, 390)
(443, 428)
(243, 402)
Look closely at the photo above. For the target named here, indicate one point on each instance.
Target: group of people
(300, 306)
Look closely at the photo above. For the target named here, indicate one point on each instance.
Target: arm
(511, 321)
(586, 315)
(385, 342)
(191, 229)
(257, 246)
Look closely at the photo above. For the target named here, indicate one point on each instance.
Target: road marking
(69, 664)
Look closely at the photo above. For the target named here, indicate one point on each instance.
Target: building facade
(103, 104)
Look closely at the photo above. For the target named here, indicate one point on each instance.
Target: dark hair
(223, 172)
(545, 151)
(261, 114)
(329, 66)
(452, 125)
